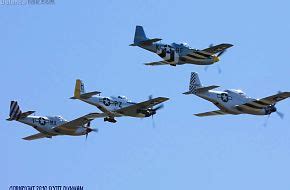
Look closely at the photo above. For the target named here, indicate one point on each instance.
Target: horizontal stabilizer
(201, 89)
(87, 95)
(25, 114)
(22, 115)
(146, 42)
(207, 88)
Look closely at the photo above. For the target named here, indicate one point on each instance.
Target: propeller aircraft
(49, 126)
(234, 101)
(117, 106)
(178, 54)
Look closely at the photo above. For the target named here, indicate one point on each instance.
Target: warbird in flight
(117, 106)
(178, 54)
(234, 101)
(51, 126)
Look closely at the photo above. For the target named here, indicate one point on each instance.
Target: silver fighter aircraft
(234, 101)
(49, 126)
(178, 54)
(117, 106)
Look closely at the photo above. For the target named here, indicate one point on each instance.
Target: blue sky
(45, 48)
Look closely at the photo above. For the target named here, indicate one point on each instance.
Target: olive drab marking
(224, 97)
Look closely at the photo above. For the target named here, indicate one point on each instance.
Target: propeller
(218, 55)
(150, 97)
(218, 67)
(266, 121)
(154, 110)
(158, 107)
(274, 109)
(88, 129)
(280, 114)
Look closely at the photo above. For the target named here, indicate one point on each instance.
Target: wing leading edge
(132, 110)
(218, 48)
(270, 100)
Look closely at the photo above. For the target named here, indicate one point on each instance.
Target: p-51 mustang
(117, 106)
(51, 126)
(178, 54)
(234, 101)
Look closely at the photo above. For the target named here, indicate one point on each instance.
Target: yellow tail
(79, 88)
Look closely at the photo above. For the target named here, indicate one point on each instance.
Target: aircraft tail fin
(194, 83)
(139, 35)
(80, 93)
(141, 39)
(196, 87)
(15, 112)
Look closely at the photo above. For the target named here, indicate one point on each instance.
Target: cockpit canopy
(166, 45)
(236, 91)
(184, 44)
(122, 97)
(60, 118)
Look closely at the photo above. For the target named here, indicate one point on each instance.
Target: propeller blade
(150, 98)
(95, 130)
(280, 114)
(87, 136)
(219, 69)
(266, 121)
(220, 53)
(210, 45)
(158, 107)
(153, 121)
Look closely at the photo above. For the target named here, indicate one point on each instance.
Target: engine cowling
(147, 113)
(270, 109)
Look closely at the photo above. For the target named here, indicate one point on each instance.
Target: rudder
(15, 112)
(194, 83)
(139, 35)
(79, 88)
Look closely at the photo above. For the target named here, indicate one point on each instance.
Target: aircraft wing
(157, 63)
(36, 136)
(73, 124)
(132, 110)
(218, 48)
(102, 108)
(270, 100)
(211, 113)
